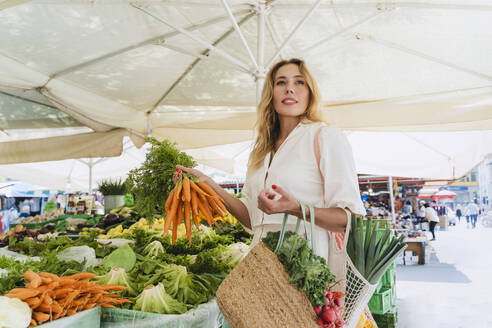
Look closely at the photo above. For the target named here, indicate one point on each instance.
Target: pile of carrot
(186, 200)
(52, 297)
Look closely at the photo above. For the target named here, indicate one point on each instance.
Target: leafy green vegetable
(236, 231)
(118, 276)
(307, 270)
(123, 257)
(371, 253)
(152, 182)
(154, 249)
(155, 299)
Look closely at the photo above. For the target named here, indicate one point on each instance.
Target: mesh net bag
(357, 295)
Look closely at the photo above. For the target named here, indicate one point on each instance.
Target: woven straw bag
(257, 293)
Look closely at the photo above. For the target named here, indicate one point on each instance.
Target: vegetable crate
(393, 296)
(387, 320)
(85, 319)
(380, 302)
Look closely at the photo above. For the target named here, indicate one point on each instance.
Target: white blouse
(294, 168)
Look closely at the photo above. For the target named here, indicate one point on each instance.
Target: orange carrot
(171, 215)
(198, 189)
(106, 305)
(33, 323)
(206, 188)
(205, 209)
(194, 207)
(187, 220)
(33, 302)
(41, 317)
(177, 194)
(82, 275)
(24, 295)
(186, 189)
(177, 220)
(49, 275)
(220, 203)
(215, 207)
(89, 306)
(113, 287)
(169, 200)
(33, 278)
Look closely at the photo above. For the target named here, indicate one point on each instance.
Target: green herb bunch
(153, 181)
(110, 187)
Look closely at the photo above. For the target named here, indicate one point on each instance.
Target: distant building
(485, 182)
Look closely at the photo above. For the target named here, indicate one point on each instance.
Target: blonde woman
(283, 166)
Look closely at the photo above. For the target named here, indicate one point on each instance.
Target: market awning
(190, 72)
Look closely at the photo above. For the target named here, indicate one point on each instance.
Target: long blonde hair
(267, 122)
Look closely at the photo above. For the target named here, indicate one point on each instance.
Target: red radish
(328, 293)
(339, 323)
(339, 301)
(329, 315)
(320, 322)
(328, 302)
(318, 310)
(325, 308)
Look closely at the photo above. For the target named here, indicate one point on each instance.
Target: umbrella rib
(156, 39)
(274, 35)
(407, 50)
(196, 61)
(209, 46)
(241, 36)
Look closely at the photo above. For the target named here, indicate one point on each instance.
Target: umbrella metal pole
(90, 175)
(260, 72)
(392, 198)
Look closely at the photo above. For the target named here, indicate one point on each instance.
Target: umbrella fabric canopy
(22, 189)
(190, 71)
(444, 194)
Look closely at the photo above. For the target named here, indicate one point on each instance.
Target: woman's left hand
(285, 204)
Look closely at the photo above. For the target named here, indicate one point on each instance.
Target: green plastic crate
(387, 320)
(388, 280)
(380, 302)
(393, 296)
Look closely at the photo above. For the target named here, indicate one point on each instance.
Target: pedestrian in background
(458, 212)
(473, 212)
(431, 216)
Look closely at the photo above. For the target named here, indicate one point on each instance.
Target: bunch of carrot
(52, 297)
(186, 200)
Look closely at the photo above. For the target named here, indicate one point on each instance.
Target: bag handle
(312, 221)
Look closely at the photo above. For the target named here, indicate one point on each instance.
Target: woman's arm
(234, 205)
(331, 219)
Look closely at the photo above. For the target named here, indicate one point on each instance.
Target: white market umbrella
(190, 71)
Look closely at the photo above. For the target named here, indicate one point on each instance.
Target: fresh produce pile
(330, 314)
(184, 203)
(372, 254)
(152, 272)
(307, 270)
(51, 297)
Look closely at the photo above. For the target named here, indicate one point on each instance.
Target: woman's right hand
(198, 174)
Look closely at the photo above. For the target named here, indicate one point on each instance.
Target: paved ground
(455, 289)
